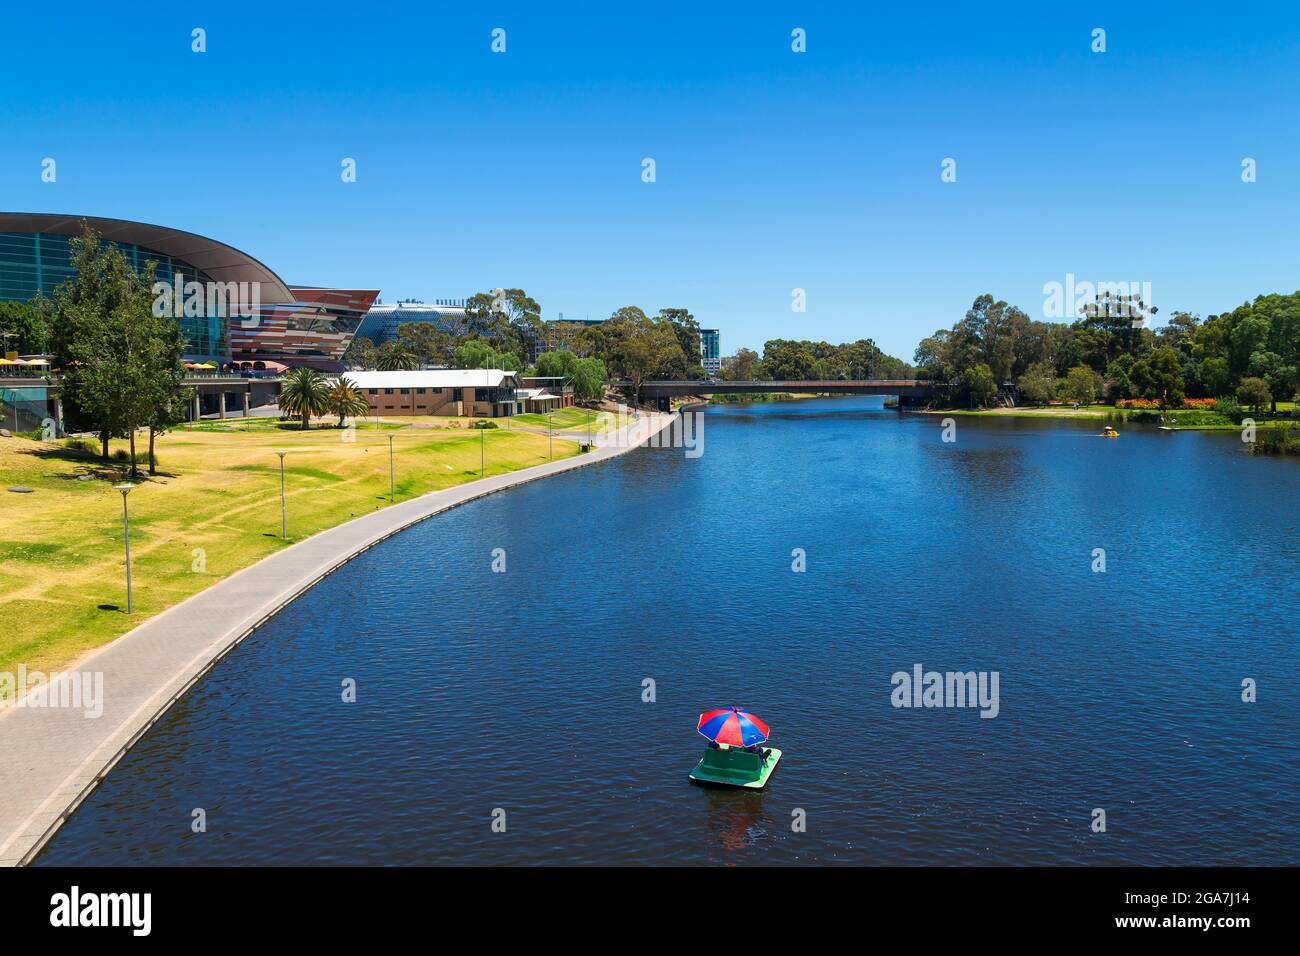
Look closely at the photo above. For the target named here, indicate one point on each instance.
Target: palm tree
(396, 357)
(305, 393)
(346, 400)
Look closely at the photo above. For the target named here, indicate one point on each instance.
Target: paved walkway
(51, 759)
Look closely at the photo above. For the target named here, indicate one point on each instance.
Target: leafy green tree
(431, 345)
(80, 336)
(306, 394)
(556, 364)
(741, 367)
(791, 361)
(147, 350)
(346, 399)
(120, 363)
(1216, 376)
(395, 356)
(1118, 380)
(687, 331)
(588, 377)
(1082, 384)
(979, 385)
(23, 328)
(169, 399)
(1160, 376)
(360, 354)
(510, 317)
(1255, 393)
(638, 346)
(476, 353)
(1038, 383)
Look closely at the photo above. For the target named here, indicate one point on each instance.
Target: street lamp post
(482, 452)
(392, 480)
(125, 488)
(284, 521)
(550, 438)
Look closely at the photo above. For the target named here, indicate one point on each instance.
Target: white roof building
(436, 378)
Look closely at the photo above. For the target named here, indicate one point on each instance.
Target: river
(519, 696)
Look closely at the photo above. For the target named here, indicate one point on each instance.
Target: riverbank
(55, 756)
(213, 508)
(1185, 419)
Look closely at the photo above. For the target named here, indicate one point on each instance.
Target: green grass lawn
(563, 419)
(213, 508)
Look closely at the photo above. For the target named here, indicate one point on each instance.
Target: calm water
(523, 690)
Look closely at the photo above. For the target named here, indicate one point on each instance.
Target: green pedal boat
(735, 767)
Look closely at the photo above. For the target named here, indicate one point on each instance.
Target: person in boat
(758, 749)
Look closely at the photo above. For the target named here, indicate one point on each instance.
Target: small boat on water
(735, 756)
(1109, 432)
(736, 767)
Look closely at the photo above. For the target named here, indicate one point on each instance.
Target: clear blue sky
(775, 170)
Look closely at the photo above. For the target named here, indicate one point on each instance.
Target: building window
(373, 391)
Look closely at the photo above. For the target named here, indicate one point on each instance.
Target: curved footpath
(51, 759)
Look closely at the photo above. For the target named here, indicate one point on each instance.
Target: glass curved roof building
(294, 325)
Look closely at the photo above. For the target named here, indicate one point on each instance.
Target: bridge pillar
(244, 396)
(221, 403)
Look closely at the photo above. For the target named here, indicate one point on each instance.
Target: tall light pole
(550, 438)
(284, 521)
(125, 488)
(482, 452)
(392, 480)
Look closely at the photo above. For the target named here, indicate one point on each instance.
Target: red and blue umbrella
(733, 727)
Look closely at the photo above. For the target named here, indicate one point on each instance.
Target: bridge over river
(910, 391)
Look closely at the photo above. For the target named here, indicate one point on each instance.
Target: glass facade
(34, 263)
(381, 322)
(710, 351)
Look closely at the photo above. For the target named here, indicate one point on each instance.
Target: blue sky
(775, 170)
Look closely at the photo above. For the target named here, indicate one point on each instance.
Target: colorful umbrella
(732, 726)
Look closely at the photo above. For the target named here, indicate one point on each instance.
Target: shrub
(483, 423)
(81, 444)
(1255, 393)
(1229, 408)
(1277, 441)
(121, 455)
(1198, 417)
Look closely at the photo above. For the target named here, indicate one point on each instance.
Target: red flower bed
(1153, 403)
